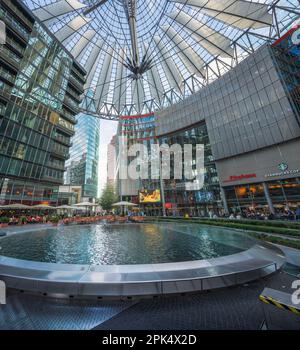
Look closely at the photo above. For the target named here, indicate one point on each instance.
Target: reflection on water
(124, 244)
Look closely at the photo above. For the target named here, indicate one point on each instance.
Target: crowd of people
(284, 214)
(22, 219)
(116, 216)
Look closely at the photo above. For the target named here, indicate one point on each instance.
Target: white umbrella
(15, 206)
(42, 206)
(86, 204)
(67, 207)
(124, 204)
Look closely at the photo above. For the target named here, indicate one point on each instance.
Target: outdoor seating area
(79, 220)
(80, 214)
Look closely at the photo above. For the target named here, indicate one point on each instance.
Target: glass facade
(178, 200)
(40, 88)
(82, 166)
(287, 56)
(137, 129)
(283, 193)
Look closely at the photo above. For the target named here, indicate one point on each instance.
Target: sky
(108, 128)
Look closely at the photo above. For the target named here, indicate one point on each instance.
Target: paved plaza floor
(236, 308)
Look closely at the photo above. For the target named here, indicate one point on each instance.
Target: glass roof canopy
(143, 55)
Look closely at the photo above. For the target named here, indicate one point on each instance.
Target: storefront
(266, 180)
(284, 194)
(179, 199)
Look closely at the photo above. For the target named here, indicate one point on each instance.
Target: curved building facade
(248, 122)
(252, 119)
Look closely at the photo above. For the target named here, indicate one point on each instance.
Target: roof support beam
(239, 13)
(193, 62)
(72, 27)
(172, 72)
(104, 77)
(82, 43)
(119, 98)
(49, 12)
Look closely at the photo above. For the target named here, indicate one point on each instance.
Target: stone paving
(235, 308)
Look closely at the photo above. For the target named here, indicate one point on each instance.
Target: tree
(108, 197)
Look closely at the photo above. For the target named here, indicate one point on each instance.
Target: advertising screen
(290, 42)
(150, 196)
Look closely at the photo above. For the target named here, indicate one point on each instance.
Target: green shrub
(241, 225)
(277, 240)
(22, 219)
(4, 220)
(250, 227)
(54, 219)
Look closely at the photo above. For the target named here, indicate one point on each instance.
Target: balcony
(10, 58)
(18, 13)
(55, 165)
(73, 94)
(79, 74)
(78, 85)
(61, 154)
(70, 117)
(72, 105)
(59, 151)
(14, 25)
(15, 46)
(64, 140)
(2, 109)
(52, 179)
(5, 91)
(10, 78)
(65, 129)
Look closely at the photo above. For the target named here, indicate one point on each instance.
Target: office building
(111, 161)
(41, 86)
(82, 166)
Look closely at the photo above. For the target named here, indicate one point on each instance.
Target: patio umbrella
(86, 205)
(124, 205)
(66, 207)
(42, 206)
(15, 206)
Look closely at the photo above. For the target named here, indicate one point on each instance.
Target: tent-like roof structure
(142, 55)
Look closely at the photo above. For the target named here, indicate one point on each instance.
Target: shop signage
(235, 178)
(283, 171)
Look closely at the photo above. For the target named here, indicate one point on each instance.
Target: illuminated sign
(284, 170)
(283, 167)
(234, 178)
(290, 42)
(147, 196)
